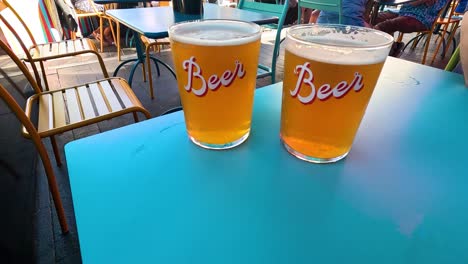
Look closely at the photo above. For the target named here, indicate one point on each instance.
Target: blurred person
(353, 14)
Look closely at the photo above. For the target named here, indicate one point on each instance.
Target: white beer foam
(339, 48)
(215, 32)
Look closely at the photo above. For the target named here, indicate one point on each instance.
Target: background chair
(69, 108)
(47, 51)
(435, 29)
(278, 10)
(443, 23)
(101, 15)
(323, 5)
(155, 45)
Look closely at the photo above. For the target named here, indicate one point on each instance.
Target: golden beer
(327, 84)
(216, 66)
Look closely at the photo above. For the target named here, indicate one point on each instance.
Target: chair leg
(135, 117)
(400, 37)
(442, 39)
(44, 75)
(150, 75)
(56, 151)
(426, 47)
(143, 70)
(52, 182)
(118, 41)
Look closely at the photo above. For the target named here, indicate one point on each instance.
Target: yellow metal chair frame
(428, 34)
(48, 51)
(34, 135)
(81, 105)
(155, 45)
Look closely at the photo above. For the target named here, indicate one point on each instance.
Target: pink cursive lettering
(306, 79)
(194, 71)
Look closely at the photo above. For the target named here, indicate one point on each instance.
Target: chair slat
(45, 50)
(122, 94)
(78, 45)
(55, 49)
(59, 110)
(73, 106)
(110, 96)
(70, 45)
(85, 44)
(46, 121)
(86, 104)
(62, 48)
(99, 101)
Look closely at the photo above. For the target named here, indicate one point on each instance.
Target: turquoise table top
(154, 22)
(145, 194)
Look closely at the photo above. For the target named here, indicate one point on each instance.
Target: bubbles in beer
(344, 46)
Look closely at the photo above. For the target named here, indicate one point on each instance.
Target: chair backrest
(10, 14)
(265, 8)
(322, 5)
(279, 10)
(7, 14)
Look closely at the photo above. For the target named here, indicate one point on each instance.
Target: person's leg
(403, 24)
(314, 16)
(384, 16)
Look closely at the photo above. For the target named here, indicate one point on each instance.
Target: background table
(145, 194)
(154, 22)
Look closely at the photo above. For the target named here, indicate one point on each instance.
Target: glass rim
(389, 39)
(254, 25)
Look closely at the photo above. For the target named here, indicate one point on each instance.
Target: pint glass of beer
(216, 67)
(329, 75)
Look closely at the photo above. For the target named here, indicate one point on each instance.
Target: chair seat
(54, 50)
(74, 107)
(149, 41)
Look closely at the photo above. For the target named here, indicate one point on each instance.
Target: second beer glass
(216, 66)
(329, 75)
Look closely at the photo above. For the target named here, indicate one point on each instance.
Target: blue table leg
(141, 59)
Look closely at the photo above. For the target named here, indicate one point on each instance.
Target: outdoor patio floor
(49, 245)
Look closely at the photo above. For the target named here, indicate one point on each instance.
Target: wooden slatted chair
(69, 108)
(278, 10)
(47, 51)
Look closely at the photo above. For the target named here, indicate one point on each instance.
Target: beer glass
(216, 67)
(329, 75)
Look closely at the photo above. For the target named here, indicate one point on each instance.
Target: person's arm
(464, 49)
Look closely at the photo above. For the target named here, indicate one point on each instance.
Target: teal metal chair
(453, 60)
(322, 5)
(279, 10)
